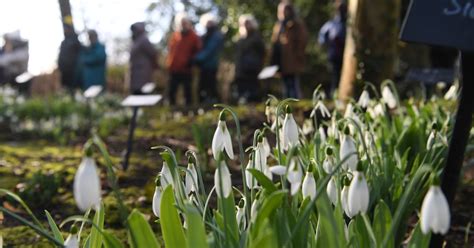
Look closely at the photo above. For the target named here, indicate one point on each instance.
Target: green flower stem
(36, 228)
(241, 150)
(112, 178)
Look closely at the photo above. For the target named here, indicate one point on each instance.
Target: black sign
(447, 23)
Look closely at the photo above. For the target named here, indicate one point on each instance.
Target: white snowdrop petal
(228, 143)
(348, 148)
(72, 241)
(435, 215)
(309, 186)
(87, 188)
(266, 147)
(331, 190)
(364, 99)
(156, 202)
(344, 201)
(223, 180)
(278, 170)
(295, 187)
(358, 196)
(290, 132)
(217, 141)
(388, 97)
(166, 177)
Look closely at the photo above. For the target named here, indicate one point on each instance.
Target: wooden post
(459, 139)
(66, 15)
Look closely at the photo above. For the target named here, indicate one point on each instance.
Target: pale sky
(39, 21)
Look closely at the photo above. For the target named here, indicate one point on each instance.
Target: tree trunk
(66, 15)
(371, 44)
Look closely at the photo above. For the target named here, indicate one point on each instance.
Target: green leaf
(265, 237)
(23, 204)
(263, 180)
(110, 241)
(96, 236)
(382, 222)
(54, 228)
(270, 203)
(140, 231)
(418, 239)
(173, 233)
(231, 228)
(196, 234)
(330, 232)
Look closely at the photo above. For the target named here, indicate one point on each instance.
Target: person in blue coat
(208, 59)
(93, 60)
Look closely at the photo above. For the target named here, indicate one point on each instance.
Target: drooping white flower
(260, 157)
(250, 181)
(191, 179)
(295, 176)
(388, 97)
(72, 241)
(323, 110)
(358, 196)
(278, 170)
(156, 201)
(309, 186)
(344, 201)
(435, 215)
(290, 131)
(266, 147)
(452, 93)
(240, 216)
(254, 211)
(166, 177)
(331, 190)
(222, 141)
(322, 135)
(222, 181)
(349, 113)
(332, 130)
(348, 149)
(364, 99)
(431, 140)
(87, 187)
(328, 164)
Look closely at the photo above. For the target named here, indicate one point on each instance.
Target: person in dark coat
(333, 36)
(250, 52)
(143, 58)
(68, 60)
(93, 62)
(208, 59)
(289, 40)
(182, 47)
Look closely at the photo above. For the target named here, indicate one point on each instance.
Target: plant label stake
(136, 101)
(448, 23)
(91, 93)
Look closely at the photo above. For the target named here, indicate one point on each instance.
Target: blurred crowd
(84, 65)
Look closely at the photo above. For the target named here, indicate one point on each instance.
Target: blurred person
(208, 59)
(93, 60)
(289, 41)
(250, 52)
(143, 58)
(333, 36)
(13, 57)
(182, 47)
(68, 60)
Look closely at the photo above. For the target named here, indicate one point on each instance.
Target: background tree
(371, 43)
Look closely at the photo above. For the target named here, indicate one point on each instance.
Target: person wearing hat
(68, 59)
(208, 59)
(93, 61)
(143, 58)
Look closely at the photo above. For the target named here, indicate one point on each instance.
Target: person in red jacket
(182, 47)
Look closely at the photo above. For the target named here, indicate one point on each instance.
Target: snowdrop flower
(157, 198)
(266, 147)
(290, 130)
(349, 113)
(278, 170)
(240, 214)
(358, 195)
(222, 181)
(332, 130)
(250, 181)
(309, 186)
(364, 99)
(295, 175)
(166, 177)
(72, 240)
(328, 163)
(431, 140)
(348, 149)
(322, 135)
(388, 97)
(435, 215)
(322, 109)
(269, 110)
(87, 187)
(253, 211)
(376, 111)
(221, 140)
(191, 179)
(344, 200)
(452, 93)
(331, 190)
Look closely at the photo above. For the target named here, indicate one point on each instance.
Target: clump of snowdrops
(349, 178)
